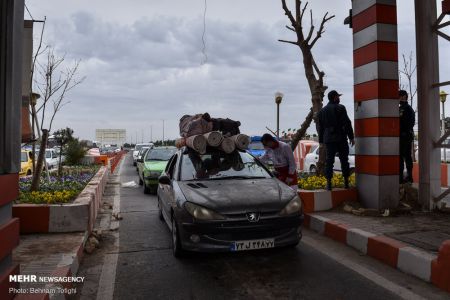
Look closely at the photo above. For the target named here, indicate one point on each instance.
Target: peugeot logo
(253, 217)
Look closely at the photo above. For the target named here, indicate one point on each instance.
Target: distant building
(111, 136)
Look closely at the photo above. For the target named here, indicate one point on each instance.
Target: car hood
(155, 165)
(238, 195)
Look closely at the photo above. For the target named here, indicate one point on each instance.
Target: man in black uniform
(334, 128)
(407, 122)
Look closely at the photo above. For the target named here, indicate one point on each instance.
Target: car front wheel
(313, 169)
(160, 213)
(147, 190)
(176, 244)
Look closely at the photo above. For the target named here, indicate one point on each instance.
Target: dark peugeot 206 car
(226, 202)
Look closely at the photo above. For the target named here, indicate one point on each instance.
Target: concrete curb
(410, 260)
(74, 217)
(320, 200)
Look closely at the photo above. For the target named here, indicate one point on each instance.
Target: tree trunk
(302, 130)
(40, 161)
(59, 163)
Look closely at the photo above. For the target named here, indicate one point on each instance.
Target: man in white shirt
(283, 160)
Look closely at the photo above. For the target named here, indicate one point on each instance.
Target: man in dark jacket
(334, 128)
(407, 122)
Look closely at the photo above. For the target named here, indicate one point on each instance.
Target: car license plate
(252, 245)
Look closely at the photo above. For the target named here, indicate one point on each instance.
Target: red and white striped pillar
(376, 102)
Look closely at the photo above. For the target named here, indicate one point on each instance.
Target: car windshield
(143, 150)
(24, 157)
(256, 146)
(140, 146)
(217, 165)
(313, 148)
(160, 154)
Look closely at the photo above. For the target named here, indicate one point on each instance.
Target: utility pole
(142, 135)
(163, 134)
(428, 104)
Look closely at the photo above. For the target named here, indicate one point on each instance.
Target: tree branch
(289, 42)
(289, 13)
(321, 29)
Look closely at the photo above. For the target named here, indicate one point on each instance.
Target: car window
(216, 164)
(171, 169)
(48, 154)
(161, 154)
(24, 157)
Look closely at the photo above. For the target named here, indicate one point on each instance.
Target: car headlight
(202, 213)
(294, 206)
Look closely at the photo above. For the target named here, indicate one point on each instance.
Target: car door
(166, 193)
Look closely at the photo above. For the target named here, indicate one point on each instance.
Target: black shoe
(346, 185)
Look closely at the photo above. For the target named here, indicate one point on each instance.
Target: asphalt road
(317, 269)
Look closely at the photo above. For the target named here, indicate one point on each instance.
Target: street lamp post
(443, 97)
(278, 98)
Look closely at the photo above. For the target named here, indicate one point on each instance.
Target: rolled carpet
(197, 143)
(241, 140)
(228, 145)
(214, 138)
(180, 143)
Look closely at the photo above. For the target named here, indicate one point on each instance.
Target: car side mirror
(164, 180)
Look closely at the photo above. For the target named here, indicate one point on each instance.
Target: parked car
(26, 163)
(226, 202)
(152, 165)
(140, 157)
(52, 157)
(312, 158)
(256, 148)
(137, 148)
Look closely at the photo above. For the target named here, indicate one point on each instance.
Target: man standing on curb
(283, 159)
(334, 128)
(407, 122)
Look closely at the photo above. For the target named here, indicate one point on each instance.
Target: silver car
(226, 202)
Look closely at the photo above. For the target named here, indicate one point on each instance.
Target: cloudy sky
(144, 63)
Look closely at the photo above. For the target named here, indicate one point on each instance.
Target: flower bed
(57, 210)
(57, 190)
(312, 191)
(313, 182)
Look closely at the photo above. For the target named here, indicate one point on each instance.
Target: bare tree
(314, 75)
(409, 71)
(33, 97)
(55, 80)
